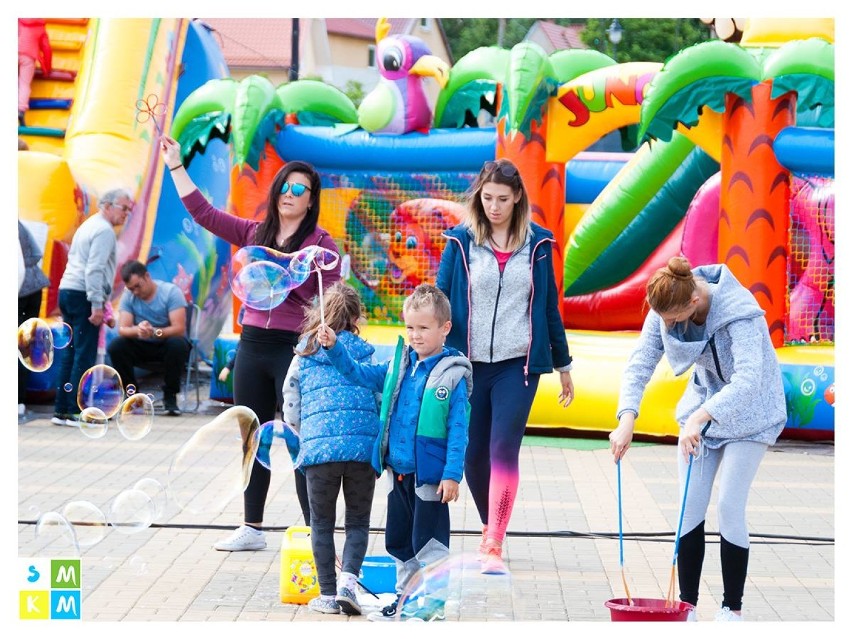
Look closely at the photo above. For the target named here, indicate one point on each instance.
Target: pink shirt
(502, 258)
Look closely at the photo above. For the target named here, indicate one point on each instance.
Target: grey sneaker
(243, 538)
(323, 605)
(348, 601)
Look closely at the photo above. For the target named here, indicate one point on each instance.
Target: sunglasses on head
(295, 188)
(506, 170)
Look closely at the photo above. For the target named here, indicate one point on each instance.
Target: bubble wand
(150, 109)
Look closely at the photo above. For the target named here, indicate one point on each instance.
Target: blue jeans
(80, 355)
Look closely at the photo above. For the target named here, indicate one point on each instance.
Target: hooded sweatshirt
(736, 377)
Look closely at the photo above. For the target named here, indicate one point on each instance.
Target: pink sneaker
(492, 561)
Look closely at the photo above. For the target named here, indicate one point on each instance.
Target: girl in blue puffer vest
(337, 423)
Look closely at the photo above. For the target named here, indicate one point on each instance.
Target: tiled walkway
(563, 548)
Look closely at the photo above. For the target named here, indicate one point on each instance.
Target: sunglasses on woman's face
(295, 188)
(506, 170)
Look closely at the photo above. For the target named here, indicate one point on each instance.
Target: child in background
(338, 423)
(422, 441)
(232, 355)
(33, 45)
(229, 366)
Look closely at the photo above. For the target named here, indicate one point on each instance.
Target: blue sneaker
(388, 613)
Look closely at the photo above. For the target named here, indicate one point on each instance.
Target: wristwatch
(158, 332)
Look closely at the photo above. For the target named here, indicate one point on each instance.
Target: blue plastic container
(378, 573)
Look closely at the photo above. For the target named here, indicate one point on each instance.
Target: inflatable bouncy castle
(713, 170)
(93, 125)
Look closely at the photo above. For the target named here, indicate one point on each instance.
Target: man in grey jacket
(83, 290)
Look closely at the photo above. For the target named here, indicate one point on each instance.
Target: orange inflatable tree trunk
(754, 216)
(545, 184)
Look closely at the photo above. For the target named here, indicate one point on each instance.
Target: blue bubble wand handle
(621, 538)
(670, 596)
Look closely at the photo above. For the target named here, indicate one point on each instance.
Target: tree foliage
(466, 34)
(645, 39)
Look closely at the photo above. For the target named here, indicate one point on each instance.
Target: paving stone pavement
(562, 549)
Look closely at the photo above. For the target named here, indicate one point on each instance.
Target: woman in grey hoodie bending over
(733, 408)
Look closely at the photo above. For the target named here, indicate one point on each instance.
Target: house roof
(563, 37)
(364, 27)
(253, 42)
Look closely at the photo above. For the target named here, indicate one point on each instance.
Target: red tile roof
(254, 42)
(563, 37)
(363, 27)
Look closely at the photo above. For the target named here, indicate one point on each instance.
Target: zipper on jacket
(716, 358)
(494, 317)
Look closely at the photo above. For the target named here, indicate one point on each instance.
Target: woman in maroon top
(268, 336)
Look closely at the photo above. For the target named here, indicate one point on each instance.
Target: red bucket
(647, 610)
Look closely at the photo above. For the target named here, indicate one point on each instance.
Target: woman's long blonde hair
(343, 311)
(500, 171)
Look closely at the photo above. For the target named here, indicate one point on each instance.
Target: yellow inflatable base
(599, 361)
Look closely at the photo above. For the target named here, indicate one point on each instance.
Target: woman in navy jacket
(497, 271)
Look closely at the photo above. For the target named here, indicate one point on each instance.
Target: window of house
(371, 56)
(424, 24)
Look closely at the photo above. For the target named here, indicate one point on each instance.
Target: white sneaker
(726, 614)
(690, 616)
(243, 538)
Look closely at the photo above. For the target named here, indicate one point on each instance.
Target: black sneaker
(171, 406)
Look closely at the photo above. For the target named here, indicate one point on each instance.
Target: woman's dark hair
(268, 229)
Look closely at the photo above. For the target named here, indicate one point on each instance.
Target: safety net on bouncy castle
(811, 261)
(392, 225)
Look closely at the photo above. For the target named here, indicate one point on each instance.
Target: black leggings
(263, 357)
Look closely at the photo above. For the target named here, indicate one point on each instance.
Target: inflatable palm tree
(760, 92)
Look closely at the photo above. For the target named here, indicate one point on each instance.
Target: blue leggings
(499, 408)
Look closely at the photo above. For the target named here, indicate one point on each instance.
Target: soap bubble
(35, 345)
(131, 511)
(89, 521)
(136, 417)
(101, 387)
(93, 422)
(56, 536)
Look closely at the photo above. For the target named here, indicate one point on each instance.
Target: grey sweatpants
(737, 464)
(324, 481)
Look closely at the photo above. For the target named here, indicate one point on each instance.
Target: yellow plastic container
(299, 583)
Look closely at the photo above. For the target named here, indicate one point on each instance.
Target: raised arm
(170, 152)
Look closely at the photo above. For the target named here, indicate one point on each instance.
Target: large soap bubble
(214, 465)
(262, 278)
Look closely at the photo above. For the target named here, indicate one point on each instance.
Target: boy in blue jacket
(422, 440)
